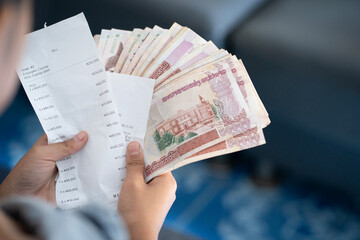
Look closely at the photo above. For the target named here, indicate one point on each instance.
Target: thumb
(58, 151)
(135, 164)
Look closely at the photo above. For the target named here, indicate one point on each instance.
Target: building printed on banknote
(189, 119)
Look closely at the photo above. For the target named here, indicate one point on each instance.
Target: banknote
(141, 38)
(150, 55)
(113, 48)
(135, 35)
(210, 59)
(145, 55)
(251, 138)
(244, 84)
(150, 39)
(195, 112)
(185, 42)
(188, 59)
(248, 90)
(104, 35)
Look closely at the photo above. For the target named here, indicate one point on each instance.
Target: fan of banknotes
(204, 103)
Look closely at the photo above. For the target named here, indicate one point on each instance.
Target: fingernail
(134, 148)
(80, 136)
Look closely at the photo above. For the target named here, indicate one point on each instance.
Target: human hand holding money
(144, 206)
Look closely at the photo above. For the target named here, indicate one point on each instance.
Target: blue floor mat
(214, 204)
(228, 205)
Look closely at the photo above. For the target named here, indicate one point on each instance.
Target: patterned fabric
(214, 204)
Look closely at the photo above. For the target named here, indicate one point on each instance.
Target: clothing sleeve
(40, 220)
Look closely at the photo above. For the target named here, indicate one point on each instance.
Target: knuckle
(67, 148)
(136, 162)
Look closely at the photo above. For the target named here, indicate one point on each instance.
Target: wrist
(142, 234)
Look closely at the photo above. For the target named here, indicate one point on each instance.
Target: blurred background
(304, 59)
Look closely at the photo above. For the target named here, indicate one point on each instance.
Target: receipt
(68, 87)
(132, 96)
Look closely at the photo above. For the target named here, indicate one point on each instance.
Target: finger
(135, 164)
(58, 151)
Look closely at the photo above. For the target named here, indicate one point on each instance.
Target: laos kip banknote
(204, 103)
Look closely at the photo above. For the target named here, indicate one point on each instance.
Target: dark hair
(11, 1)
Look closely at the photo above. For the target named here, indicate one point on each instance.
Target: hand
(144, 206)
(35, 173)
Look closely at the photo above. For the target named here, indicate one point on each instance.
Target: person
(27, 195)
